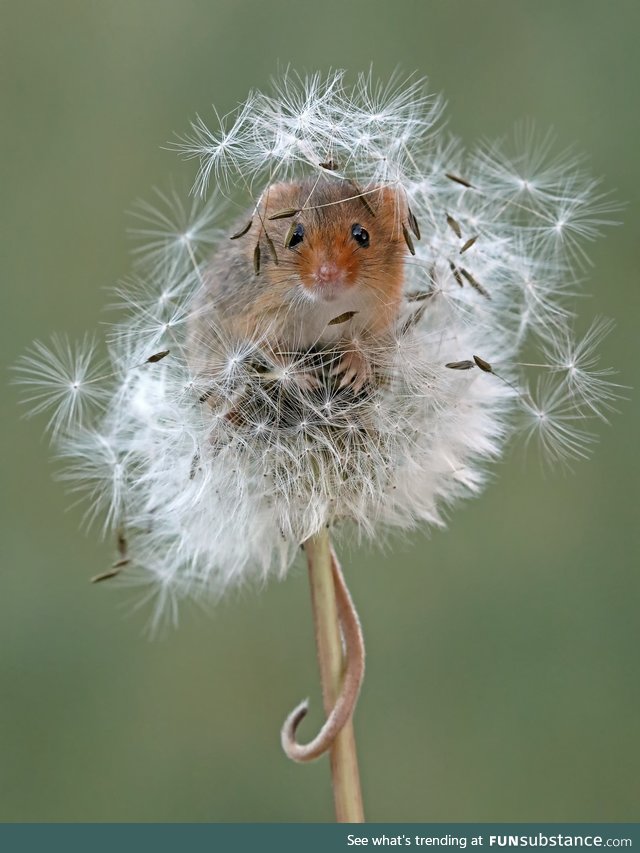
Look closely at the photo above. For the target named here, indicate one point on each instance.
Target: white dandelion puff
(577, 360)
(96, 468)
(64, 380)
(157, 309)
(220, 152)
(555, 419)
(283, 374)
(170, 230)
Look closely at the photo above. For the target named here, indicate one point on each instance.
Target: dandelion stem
(352, 673)
(344, 761)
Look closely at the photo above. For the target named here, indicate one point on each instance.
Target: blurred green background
(502, 678)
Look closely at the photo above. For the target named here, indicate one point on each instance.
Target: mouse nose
(328, 273)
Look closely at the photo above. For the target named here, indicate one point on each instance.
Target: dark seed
(330, 165)
(415, 318)
(242, 232)
(158, 356)
(342, 318)
(482, 364)
(460, 365)
(256, 259)
(363, 198)
(475, 284)
(458, 180)
(122, 544)
(289, 234)
(413, 223)
(287, 213)
(408, 240)
(456, 273)
(272, 248)
(454, 225)
(468, 244)
(105, 576)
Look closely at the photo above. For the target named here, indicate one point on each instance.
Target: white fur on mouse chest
(308, 322)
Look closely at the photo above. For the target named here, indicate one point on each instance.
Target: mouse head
(329, 236)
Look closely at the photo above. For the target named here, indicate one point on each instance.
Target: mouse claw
(355, 370)
(287, 372)
(307, 381)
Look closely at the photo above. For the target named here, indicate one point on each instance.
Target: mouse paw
(287, 372)
(306, 381)
(355, 371)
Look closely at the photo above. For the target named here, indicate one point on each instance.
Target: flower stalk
(345, 775)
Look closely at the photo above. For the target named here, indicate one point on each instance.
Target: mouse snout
(328, 272)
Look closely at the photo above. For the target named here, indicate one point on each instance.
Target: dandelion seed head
(225, 454)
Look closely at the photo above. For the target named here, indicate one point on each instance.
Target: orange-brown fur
(282, 299)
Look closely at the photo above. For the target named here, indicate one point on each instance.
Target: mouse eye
(360, 235)
(296, 237)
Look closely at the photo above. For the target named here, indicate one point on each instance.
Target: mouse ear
(397, 201)
(392, 207)
(279, 200)
(386, 199)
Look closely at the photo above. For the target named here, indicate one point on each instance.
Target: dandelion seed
(474, 283)
(556, 422)
(122, 544)
(462, 181)
(242, 231)
(62, 380)
(578, 361)
(454, 225)
(342, 318)
(170, 230)
(482, 364)
(456, 274)
(413, 223)
(408, 240)
(105, 576)
(460, 365)
(284, 214)
(271, 247)
(158, 356)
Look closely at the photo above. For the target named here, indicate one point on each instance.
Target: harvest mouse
(320, 264)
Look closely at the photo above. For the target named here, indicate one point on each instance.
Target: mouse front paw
(354, 369)
(290, 372)
(306, 381)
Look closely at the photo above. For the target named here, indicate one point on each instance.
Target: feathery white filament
(218, 475)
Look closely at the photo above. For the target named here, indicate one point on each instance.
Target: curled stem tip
(343, 708)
